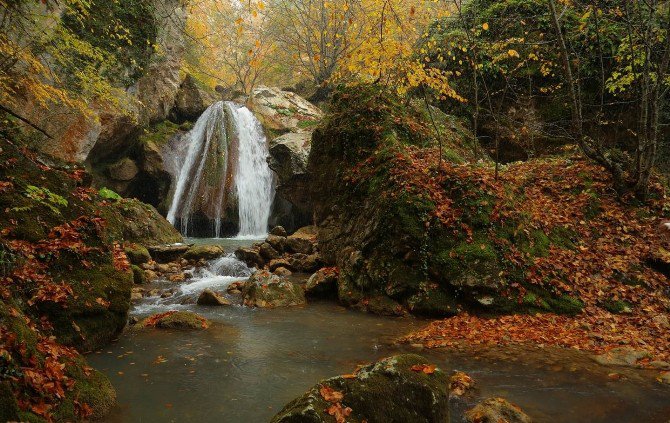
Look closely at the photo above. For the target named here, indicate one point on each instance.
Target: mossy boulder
(399, 389)
(137, 254)
(266, 290)
(139, 276)
(203, 252)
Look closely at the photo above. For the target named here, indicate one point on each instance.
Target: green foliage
(108, 194)
(46, 198)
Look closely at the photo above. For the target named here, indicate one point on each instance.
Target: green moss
(108, 194)
(9, 409)
(304, 124)
(137, 254)
(160, 133)
(617, 306)
(565, 304)
(46, 198)
(139, 278)
(563, 237)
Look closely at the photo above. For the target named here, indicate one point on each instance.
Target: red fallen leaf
(339, 412)
(428, 369)
(331, 395)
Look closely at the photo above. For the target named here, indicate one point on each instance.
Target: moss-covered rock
(183, 320)
(203, 252)
(399, 389)
(137, 254)
(267, 290)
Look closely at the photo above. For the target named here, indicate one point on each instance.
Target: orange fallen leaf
(331, 395)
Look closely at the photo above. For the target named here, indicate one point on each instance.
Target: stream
(251, 362)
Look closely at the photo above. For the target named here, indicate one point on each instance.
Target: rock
(175, 320)
(664, 378)
(136, 222)
(283, 111)
(299, 245)
(323, 283)
(192, 99)
(282, 271)
(267, 252)
(278, 231)
(277, 242)
(622, 356)
(163, 268)
(268, 291)
(124, 170)
(150, 275)
(136, 296)
(288, 159)
(137, 254)
(206, 252)
(167, 253)
(179, 277)
(139, 277)
(399, 389)
(251, 256)
(460, 383)
(660, 365)
(305, 263)
(211, 298)
(281, 262)
(496, 410)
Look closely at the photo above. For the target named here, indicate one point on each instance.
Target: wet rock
(660, 365)
(236, 286)
(323, 283)
(179, 277)
(139, 277)
(268, 291)
(148, 266)
(136, 294)
(175, 320)
(305, 263)
(496, 410)
(622, 356)
(211, 298)
(167, 294)
(282, 271)
(268, 252)
(664, 378)
(251, 256)
(150, 275)
(163, 268)
(277, 242)
(137, 254)
(124, 170)
(167, 253)
(279, 231)
(303, 241)
(460, 383)
(289, 155)
(192, 99)
(282, 262)
(399, 389)
(203, 252)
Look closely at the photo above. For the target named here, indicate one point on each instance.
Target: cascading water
(225, 161)
(254, 180)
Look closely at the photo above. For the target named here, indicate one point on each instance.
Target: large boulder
(123, 170)
(399, 389)
(133, 221)
(267, 290)
(323, 283)
(288, 159)
(203, 252)
(283, 111)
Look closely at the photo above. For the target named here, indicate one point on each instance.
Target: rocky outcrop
(265, 290)
(288, 159)
(401, 240)
(192, 99)
(399, 389)
(282, 111)
(296, 253)
(323, 283)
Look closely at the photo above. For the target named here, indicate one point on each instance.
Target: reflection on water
(251, 362)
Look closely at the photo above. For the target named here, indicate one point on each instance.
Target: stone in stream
(323, 283)
(268, 252)
(622, 356)
(206, 252)
(175, 320)
(250, 255)
(496, 410)
(664, 378)
(137, 254)
(277, 242)
(398, 389)
(211, 298)
(278, 231)
(168, 253)
(268, 291)
(282, 271)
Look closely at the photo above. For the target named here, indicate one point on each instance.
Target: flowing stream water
(202, 171)
(251, 362)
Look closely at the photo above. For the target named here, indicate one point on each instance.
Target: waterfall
(254, 180)
(222, 160)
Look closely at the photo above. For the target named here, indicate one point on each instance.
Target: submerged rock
(267, 290)
(175, 320)
(622, 356)
(399, 389)
(211, 298)
(496, 410)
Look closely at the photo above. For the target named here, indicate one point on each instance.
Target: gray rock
(277, 242)
(283, 111)
(323, 283)
(393, 390)
(203, 252)
(192, 99)
(268, 252)
(622, 356)
(278, 231)
(124, 170)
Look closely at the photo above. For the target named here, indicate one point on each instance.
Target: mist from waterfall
(252, 184)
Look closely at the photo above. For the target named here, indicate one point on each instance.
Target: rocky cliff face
(408, 232)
